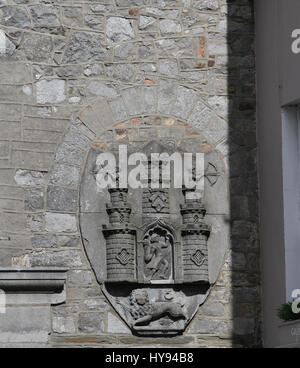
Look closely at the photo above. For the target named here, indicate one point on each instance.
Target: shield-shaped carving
(149, 246)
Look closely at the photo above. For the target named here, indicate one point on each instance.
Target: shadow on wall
(245, 261)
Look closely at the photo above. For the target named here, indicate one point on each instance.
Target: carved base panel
(159, 310)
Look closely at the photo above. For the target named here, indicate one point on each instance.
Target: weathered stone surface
(30, 178)
(68, 153)
(7, 48)
(69, 71)
(133, 100)
(35, 222)
(146, 22)
(80, 277)
(185, 99)
(65, 175)
(209, 326)
(25, 324)
(36, 48)
(68, 241)
(168, 67)
(94, 21)
(61, 199)
(15, 17)
(212, 309)
(118, 29)
(101, 89)
(92, 323)
(95, 304)
(44, 241)
(206, 4)
(50, 91)
(94, 70)
(40, 161)
(63, 325)
(69, 259)
(166, 95)
(45, 16)
(21, 75)
(60, 222)
(34, 199)
(116, 326)
(83, 47)
(168, 27)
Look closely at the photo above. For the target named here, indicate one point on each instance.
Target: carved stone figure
(157, 254)
(143, 311)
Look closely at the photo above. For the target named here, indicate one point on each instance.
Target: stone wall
(74, 71)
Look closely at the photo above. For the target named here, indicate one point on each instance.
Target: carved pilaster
(120, 239)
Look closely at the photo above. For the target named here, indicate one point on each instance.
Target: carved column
(120, 239)
(194, 240)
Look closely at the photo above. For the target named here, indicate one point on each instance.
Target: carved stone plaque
(149, 246)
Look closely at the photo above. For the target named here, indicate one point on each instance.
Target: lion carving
(143, 311)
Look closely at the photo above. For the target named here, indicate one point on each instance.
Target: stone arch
(101, 116)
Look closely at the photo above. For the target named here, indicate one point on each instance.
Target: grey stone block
(168, 67)
(68, 241)
(122, 72)
(133, 100)
(118, 29)
(4, 149)
(166, 96)
(68, 153)
(7, 47)
(94, 21)
(206, 4)
(63, 325)
(185, 100)
(15, 17)
(25, 324)
(62, 258)
(12, 112)
(116, 326)
(50, 91)
(150, 100)
(91, 323)
(36, 48)
(169, 27)
(209, 326)
(146, 22)
(40, 161)
(75, 136)
(35, 222)
(118, 109)
(95, 304)
(212, 309)
(101, 89)
(21, 74)
(34, 199)
(60, 222)
(84, 46)
(30, 178)
(45, 16)
(80, 277)
(44, 241)
(65, 175)
(61, 199)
